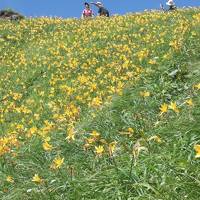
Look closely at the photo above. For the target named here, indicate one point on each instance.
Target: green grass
(163, 171)
(168, 170)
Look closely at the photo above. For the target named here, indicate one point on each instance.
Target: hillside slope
(101, 109)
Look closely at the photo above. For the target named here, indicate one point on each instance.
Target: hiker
(171, 5)
(102, 10)
(87, 12)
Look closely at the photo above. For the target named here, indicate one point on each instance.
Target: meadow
(101, 109)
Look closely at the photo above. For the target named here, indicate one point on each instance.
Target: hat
(170, 3)
(99, 3)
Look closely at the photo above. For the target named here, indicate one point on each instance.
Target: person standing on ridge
(87, 12)
(102, 10)
(171, 5)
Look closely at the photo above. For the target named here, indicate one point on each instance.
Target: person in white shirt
(171, 5)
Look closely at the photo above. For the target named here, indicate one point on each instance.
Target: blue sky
(66, 8)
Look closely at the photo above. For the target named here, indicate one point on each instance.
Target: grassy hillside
(101, 109)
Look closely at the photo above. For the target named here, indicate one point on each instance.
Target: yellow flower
(142, 54)
(47, 139)
(155, 138)
(130, 130)
(112, 147)
(175, 44)
(37, 116)
(17, 96)
(197, 149)
(10, 179)
(96, 102)
(47, 146)
(197, 86)
(90, 140)
(95, 134)
(163, 108)
(37, 179)
(189, 102)
(152, 62)
(173, 106)
(57, 163)
(145, 94)
(70, 134)
(99, 150)
(32, 131)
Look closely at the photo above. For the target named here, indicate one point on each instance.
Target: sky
(67, 8)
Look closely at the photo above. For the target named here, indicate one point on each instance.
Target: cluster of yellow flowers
(99, 145)
(7, 144)
(173, 106)
(76, 66)
(197, 18)
(57, 69)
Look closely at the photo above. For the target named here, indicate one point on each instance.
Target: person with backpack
(102, 10)
(87, 12)
(171, 5)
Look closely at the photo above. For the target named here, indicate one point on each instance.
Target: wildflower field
(102, 108)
